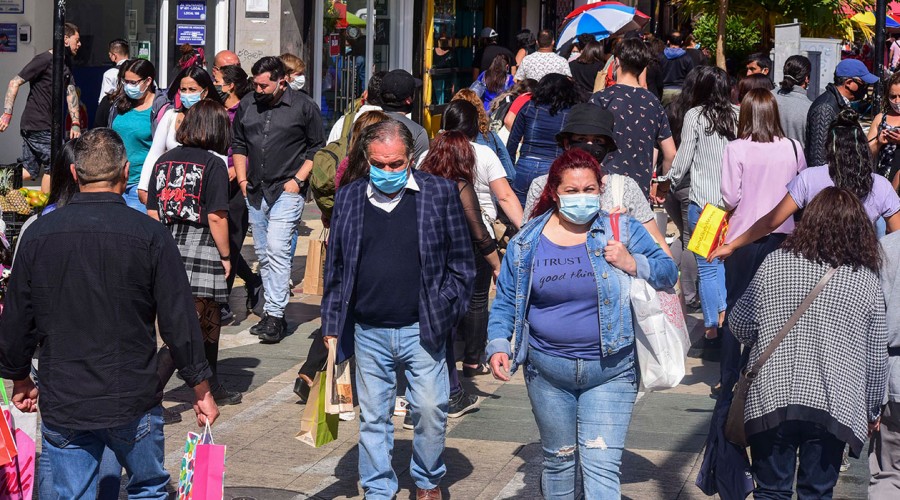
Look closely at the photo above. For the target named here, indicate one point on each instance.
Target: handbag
(338, 384)
(710, 231)
(503, 232)
(202, 475)
(735, 431)
(314, 273)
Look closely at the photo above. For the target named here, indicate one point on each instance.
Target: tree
(720, 34)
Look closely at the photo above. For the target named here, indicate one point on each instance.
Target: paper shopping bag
(188, 460)
(17, 477)
(338, 386)
(317, 427)
(710, 231)
(8, 451)
(314, 274)
(209, 469)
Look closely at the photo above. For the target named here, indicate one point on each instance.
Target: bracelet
(242, 181)
(225, 257)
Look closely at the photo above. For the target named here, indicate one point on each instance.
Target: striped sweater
(699, 154)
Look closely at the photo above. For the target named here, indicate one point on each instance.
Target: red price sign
(334, 45)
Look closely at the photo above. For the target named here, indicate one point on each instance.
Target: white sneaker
(400, 406)
(347, 416)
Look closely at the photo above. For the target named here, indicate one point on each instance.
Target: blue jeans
(379, 353)
(109, 477)
(581, 406)
(274, 238)
(132, 200)
(711, 277)
(528, 168)
(774, 454)
(75, 455)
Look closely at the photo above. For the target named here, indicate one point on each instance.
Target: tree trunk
(720, 35)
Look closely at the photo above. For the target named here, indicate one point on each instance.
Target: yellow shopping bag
(710, 231)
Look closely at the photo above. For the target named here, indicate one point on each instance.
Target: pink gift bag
(209, 469)
(17, 475)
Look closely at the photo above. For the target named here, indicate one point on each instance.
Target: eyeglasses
(133, 82)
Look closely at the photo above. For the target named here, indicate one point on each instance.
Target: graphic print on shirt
(179, 185)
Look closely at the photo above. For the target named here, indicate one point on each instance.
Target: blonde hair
(470, 96)
(293, 64)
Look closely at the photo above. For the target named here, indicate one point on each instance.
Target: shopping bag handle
(614, 222)
(207, 437)
(3, 391)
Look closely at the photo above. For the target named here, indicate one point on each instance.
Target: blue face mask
(133, 90)
(387, 182)
(579, 208)
(188, 100)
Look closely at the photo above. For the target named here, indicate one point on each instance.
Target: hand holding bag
(338, 384)
(17, 476)
(735, 431)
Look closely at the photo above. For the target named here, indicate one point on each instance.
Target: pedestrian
(507, 105)
(488, 50)
(641, 124)
(692, 47)
(851, 83)
(544, 61)
(849, 166)
(118, 53)
(884, 137)
(190, 56)
(494, 81)
(369, 101)
(224, 58)
(676, 64)
(585, 67)
(884, 463)
(277, 131)
(561, 273)
(134, 115)
(894, 52)
(527, 43)
(486, 136)
(356, 155)
(536, 125)
(654, 77)
(296, 71)
(399, 314)
(35, 122)
(192, 85)
(758, 63)
(76, 256)
(188, 192)
(793, 101)
(823, 387)
(398, 88)
(750, 82)
(756, 168)
(707, 129)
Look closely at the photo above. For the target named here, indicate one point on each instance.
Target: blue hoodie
(674, 52)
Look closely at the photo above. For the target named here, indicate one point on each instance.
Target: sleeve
(215, 190)
(152, 191)
(876, 353)
(636, 203)
(732, 170)
(36, 67)
(522, 72)
(334, 265)
(157, 148)
(652, 262)
(501, 320)
(472, 211)
(684, 157)
(492, 166)
(890, 201)
(18, 334)
(519, 102)
(664, 131)
(742, 320)
(498, 147)
(315, 131)
(176, 316)
(564, 68)
(798, 188)
(518, 130)
(534, 194)
(335, 132)
(818, 121)
(421, 145)
(239, 142)
(109, 82)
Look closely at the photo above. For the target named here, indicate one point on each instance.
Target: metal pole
(880, 15)
(57, 99)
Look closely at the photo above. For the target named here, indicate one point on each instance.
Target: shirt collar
(411, 184)
(98, 197)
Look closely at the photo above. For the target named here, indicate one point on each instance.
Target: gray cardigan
(793, 108)
(890, 284)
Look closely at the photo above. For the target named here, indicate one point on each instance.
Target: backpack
(325, 163)
(497, 116)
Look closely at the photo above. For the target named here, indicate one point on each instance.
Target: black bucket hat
(589, 119)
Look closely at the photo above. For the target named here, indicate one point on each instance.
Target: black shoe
(301, 389)
(225, 397)
(469, 372)
(226, 314)
(407, 422)
(693, 306)
(254, 292)
(273, 331)
(462, 403)
(257, 328)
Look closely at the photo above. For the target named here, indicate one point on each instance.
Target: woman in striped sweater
(707, 129)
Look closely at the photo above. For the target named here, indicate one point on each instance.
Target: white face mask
(895, 106)
(298, 82)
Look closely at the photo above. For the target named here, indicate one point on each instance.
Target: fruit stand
(17, 203)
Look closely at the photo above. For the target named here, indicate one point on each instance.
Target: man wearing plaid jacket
(398, 275)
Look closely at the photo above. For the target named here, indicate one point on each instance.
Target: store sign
(9, 36)
(191, 10)
(12, 6)
(334, 45)
(144, 50)
(194, 34)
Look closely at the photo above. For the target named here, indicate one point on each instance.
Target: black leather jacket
(818, 121)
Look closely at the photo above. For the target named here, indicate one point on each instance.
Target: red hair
(451, 157)
(571, 159)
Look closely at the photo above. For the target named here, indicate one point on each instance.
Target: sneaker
(170, 416)
(257, 328)
(401, 406)
(407, 422)
(432, 494)
(224, 397)
(225, 313)
(273, 331)
(347, 416)
(254, 293)
(462, 403)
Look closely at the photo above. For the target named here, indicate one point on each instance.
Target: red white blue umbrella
(602, 19)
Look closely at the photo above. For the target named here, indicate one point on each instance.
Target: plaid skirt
(201, 261)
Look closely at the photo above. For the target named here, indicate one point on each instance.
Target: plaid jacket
(445, 252)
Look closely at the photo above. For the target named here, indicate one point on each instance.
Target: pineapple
(11, 200)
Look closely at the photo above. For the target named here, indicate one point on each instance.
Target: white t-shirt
(487, 170)
(539, 64)
(163, 141)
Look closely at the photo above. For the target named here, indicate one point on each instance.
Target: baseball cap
(488, 33)
(398, 85)
(854, 68)
(589, 119)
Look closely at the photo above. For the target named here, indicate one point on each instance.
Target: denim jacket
(510, 307)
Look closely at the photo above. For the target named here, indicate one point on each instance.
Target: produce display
(21, 201)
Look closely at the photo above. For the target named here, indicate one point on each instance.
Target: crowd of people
(148, 214)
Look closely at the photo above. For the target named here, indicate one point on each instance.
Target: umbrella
(868, 18)
(601, 19)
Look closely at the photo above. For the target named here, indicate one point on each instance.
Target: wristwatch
(300, 183)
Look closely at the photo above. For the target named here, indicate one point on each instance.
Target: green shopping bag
(317, 428)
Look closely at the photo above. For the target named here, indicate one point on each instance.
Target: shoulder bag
(735, 431)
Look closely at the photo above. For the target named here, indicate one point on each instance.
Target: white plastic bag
(661, 336)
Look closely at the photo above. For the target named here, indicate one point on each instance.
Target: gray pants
(676, 206)
(884, 456)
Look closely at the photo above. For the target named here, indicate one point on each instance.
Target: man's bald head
(226, 58)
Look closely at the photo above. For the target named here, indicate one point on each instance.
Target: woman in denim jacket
(563, 294)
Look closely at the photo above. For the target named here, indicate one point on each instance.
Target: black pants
(316, 357)
(473, 327)
(774, 454)
(238, 223)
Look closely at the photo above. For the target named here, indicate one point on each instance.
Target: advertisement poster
(191, 10)
(12, 6)
(9, 36)
(194, 34)
(144, 49)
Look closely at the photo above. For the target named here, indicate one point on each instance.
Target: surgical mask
(133, 90)
(298, 82)
(387, 182)
(598, 151)
(579, 208)
(895, 106)
(222, 94)
(188, 100)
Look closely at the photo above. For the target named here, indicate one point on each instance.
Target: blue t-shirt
(134, 128)
(562, 310)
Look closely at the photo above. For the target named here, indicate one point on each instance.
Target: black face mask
(264, 98)
(598, 151)
(861, 91)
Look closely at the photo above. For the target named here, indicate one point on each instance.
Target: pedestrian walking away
(792, 98)
(544, 61)
(118, 54)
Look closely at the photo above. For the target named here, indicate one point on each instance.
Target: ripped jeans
(582, 409)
